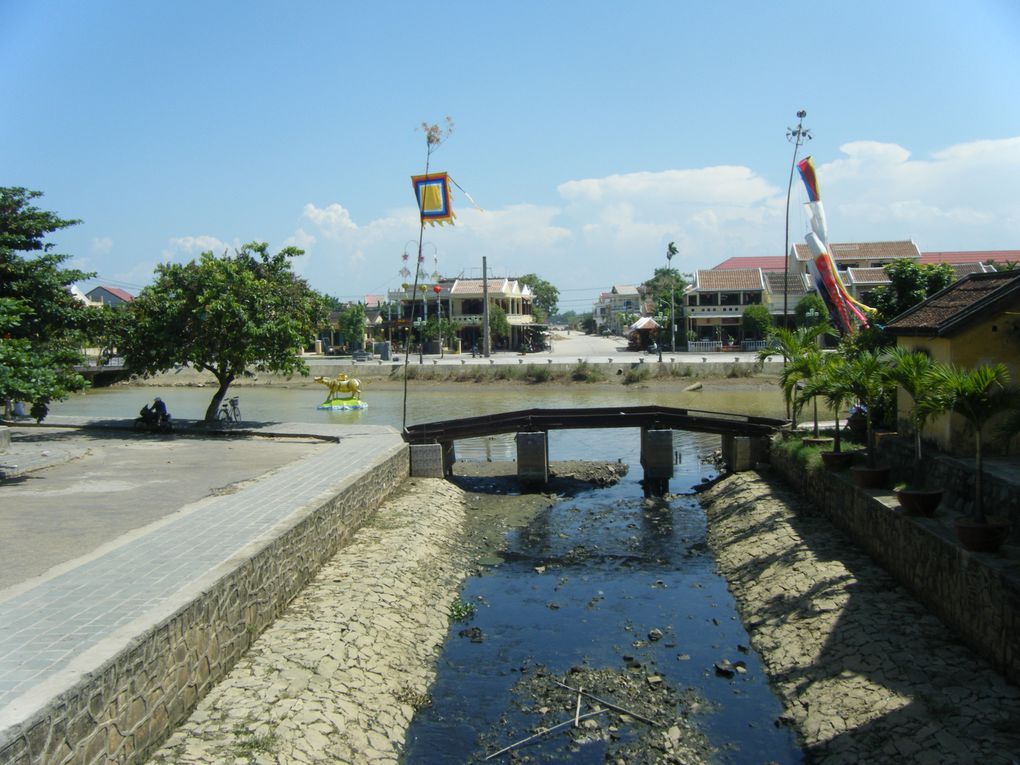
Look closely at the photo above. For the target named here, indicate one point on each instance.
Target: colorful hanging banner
(433, 194)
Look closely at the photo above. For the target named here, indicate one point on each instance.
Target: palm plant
(830, 383)
(867, 380)
(978, 395)
(922, 379)
(794, 346)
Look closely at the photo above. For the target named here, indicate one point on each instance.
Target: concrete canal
(617, 594)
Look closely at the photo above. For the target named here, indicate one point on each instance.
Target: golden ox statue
(341, 386)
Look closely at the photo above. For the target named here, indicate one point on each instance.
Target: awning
(645, 322)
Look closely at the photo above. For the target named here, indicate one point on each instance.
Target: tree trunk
(221, 392)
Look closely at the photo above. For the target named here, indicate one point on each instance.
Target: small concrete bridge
(744, 437)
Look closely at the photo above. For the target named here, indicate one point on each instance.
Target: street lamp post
(660, 318)
(798, 136)
(671, 250)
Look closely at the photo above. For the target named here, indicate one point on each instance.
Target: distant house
(972, 322)
(714, 303)
(616, 308)
(111, 296)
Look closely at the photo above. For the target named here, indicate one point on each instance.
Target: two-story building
(616, 309)
(462, 301)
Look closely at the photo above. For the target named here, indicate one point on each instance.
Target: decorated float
(344, 393)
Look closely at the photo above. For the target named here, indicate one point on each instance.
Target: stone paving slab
(57, 629)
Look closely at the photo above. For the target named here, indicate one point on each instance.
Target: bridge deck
(525, 420)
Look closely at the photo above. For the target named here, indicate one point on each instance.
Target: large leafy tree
(546, 296)
(43, 327)
(228, 315)
(910, 283)
(666, 289)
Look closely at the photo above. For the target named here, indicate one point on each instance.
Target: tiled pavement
(55, 629)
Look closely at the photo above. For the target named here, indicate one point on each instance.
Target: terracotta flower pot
(870, 477)
(982, 537)
(922, 502)
(837, 460)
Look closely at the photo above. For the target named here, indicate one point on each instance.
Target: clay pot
(921, 502)
(837, 460)
(982, 537)
(870, 477)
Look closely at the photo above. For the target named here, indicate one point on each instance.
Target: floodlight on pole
(797, 136)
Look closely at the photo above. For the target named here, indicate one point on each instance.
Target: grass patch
(248, 743)
(585, 372)
(461, 611)
(636, 374)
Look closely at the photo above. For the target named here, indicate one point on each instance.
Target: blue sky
(590, 133)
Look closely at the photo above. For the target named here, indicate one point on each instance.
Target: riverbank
(865, 673)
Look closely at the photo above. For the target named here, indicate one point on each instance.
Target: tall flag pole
(433, 193)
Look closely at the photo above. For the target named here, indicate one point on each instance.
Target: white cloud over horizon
(614, 229)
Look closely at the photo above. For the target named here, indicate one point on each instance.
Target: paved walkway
(55, 628)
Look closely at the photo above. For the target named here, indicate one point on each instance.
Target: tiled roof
(625, 289)
(764, 262)
(127, 297)
(865, 251)
(867, 276)
(960, 270)
(742, 279)
(774, 282)
(971, 256)
(954, 307)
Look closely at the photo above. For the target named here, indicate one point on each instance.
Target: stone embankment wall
(122, 712)
(975, 594)
(956, 478)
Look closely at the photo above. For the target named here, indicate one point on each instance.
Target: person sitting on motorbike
(155, 414)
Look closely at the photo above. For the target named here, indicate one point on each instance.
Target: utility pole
(486, 339)
(798, 136)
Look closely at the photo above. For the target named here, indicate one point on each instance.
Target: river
(606, 584)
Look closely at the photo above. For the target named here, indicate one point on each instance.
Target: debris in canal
(646, 721)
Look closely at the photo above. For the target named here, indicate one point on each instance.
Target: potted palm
(866, 374)
(831, 384)
(918, 375)
(801, 359)
(978, 395)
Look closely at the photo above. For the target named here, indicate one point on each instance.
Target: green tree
(832, 384)
(799, 349)
(756, 321)
(44, 327)
(499, 325)
(666, 290)
(546, 297)
(910, 283)
(227, 315)
(867, 374)
(811, 309)
(352, 325)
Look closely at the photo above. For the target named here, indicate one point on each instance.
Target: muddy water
(614, 590)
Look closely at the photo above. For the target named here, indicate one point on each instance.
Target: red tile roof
(873, 251)
(971, 256)
(956, 306)
(764, 262)
(742, 279)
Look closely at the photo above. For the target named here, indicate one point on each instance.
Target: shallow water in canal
(582, 586)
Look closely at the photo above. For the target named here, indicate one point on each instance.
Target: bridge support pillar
(742, 453)
(657, 459)
(449, 457)
(427, 461)
(533, 458)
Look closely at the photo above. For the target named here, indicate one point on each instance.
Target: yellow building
(972, 322)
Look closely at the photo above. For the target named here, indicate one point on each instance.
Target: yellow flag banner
(433, 194)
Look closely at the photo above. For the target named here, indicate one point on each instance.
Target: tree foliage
(352, 325)
(43, 327)
(546, 296)
(811, 309)
(910, 283)
(499, 325)
(228, 315)
(756, 321)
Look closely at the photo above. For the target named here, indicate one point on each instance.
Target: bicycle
(230, 411)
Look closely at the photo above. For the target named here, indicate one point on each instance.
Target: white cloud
(191, 245)
(615, 229)
(101, 245)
